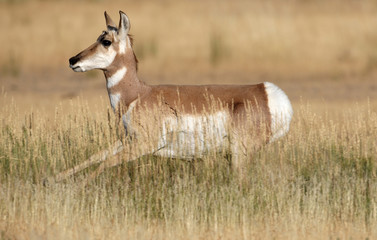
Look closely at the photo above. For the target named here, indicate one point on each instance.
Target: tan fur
(180, 100)
(146, 109)
(190, 98)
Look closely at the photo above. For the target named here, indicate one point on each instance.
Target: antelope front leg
(97, 158)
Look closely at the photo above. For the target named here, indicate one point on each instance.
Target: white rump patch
(114, 100)
(116, 77)
(280, 109)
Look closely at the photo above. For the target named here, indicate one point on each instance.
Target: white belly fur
(187, 136)
(193, 135)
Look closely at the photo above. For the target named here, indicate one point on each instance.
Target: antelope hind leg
(128, 156)
(117, 160)
(116, 148)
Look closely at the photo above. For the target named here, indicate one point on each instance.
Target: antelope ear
(109, 23)
(124, 25)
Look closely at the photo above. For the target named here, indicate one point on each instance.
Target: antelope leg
(115, 161)
(97, 158)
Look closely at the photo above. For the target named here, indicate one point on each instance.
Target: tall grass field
(318, 182)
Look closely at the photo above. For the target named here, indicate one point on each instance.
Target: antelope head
(101, 54)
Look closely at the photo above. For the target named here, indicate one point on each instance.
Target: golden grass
(317, 182)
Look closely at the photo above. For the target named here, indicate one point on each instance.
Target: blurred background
(316, 51)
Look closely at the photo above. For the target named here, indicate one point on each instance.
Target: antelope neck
(122, 83)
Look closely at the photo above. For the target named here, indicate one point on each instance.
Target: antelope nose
(73, 61)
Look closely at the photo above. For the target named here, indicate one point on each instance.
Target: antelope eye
(106, 43)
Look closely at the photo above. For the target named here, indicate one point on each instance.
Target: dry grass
(318, 182)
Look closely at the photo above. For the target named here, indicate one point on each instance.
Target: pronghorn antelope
(178, 121)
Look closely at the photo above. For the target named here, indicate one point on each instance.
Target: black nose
(73, 60)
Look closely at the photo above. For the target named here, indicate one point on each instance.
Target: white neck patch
(114, 100)
(116, 77)
(123, 46)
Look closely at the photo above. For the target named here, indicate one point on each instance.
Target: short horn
(109, 23)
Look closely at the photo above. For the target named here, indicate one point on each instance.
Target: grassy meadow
(318, 182)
